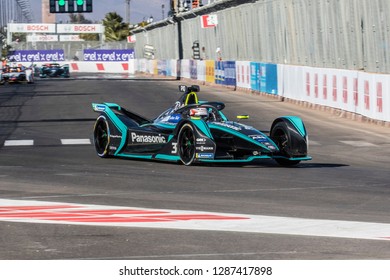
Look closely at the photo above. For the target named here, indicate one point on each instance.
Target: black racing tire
(101, 137)
(282, 138)
(186, 144)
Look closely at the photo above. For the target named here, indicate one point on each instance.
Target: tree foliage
(115, 28)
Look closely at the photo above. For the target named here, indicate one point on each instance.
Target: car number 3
(174, 148)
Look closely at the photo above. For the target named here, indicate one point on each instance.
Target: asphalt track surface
(334, 207)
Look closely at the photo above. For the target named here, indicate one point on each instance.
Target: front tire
(186, 144)
(282, 138)
(101, 137)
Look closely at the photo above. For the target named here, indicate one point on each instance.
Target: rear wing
(121, 113)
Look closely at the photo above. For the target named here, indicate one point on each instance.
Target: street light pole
(127, 11)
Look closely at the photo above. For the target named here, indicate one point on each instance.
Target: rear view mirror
(194, 88)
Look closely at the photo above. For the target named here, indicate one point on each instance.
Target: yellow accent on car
(191, 98)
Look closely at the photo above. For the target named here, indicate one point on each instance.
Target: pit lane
(347, 180)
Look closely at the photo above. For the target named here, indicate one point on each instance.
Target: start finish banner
(37, 56)
(108, 55)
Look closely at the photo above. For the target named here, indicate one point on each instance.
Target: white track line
(19, 142)
(75, 141)
(358, 143)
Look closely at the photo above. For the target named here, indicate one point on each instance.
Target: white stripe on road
(99, 215)
(359, 143)
(19, 142)
(75, 141)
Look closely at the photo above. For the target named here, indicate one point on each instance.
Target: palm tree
(115, 28)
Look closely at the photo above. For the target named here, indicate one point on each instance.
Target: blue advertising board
(37, 56)
(161, 67)
(255, 76)
(272, 78)
(264, 77)
(168, 68)
(108, 55)
(230, 73)
(219, 73)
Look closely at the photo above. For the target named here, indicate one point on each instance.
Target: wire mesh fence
(346, 34)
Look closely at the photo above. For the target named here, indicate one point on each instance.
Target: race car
(194, 132)
(54, 70)
(16, 74)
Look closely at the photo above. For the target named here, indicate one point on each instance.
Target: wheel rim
(281, 139)
(101, 138)
(187, 145)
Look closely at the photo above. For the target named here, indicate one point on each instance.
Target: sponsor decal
(203, 148)
(31, 28)
(247, 127)
(231, 126)
(259, 138)
(113, 148)
(154, 139)
(116, 136)
(108, 55)
(204, 155)
(80, 28)
(200, 140)
(100, 108)
(175, 118)
(37, 56)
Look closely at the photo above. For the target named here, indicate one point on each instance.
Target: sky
(139, 10)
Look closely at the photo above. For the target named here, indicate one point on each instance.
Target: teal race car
(194, 132)
(50, 70)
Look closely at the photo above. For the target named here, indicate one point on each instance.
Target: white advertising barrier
(363, 93)
(173, 67)
(331, 87)
(374, 96)
(243, 74)
(291, 82)
(141, 65)
(102, 67)
(201, 70)
(185, 69)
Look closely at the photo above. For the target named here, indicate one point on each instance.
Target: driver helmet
(199, 112)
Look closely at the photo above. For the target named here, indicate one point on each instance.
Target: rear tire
(282, 138)
(186, 144)
(101, 137)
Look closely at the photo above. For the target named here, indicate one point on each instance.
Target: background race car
(17, 74)
(54, 70)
